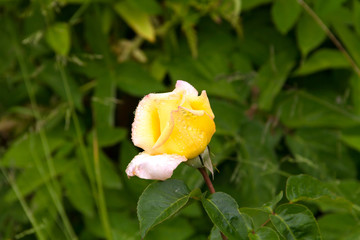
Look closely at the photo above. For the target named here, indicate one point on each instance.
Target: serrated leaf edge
(143, 233)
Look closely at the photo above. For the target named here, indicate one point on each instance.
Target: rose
(171, 128)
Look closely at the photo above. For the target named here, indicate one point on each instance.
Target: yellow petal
(165, 105)
(151, 116)
(146, 126)
(188, 133)
(202, 103)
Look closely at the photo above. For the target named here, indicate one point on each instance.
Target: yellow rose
(171, 128)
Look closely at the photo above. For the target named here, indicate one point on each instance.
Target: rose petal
(164, 136)
(202, 103)
(156, 167)
(165, 106)
(187, 87)
(147, 126)
(188, 133)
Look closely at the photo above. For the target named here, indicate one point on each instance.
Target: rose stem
(211, 188)
(207, 180)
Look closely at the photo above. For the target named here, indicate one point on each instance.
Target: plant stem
(207, 180)
(330, 35)
(51, 183)
(211, 188)
(102, 204)
(25, 206)
(266, 222)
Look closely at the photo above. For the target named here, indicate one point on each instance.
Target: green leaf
(223, 212)
(256, 155)
(107, 19)
(108, 136)
(215, 234)
(51, 76)
(104, 103)
(110, 177)
(349, 39)
(250, 4)
(78, 192)
(194, 209)
(192, 39)
(127, 228)
(271, 78)
(318, 153)
(159, 201)
(301, 109)
(78, 1)
(228, 115)
(329, 196)
(31, 179)
(58, 37)
(263, 40)
(285, 14)
(309, 34)
(350, 190)
(327, 10)
(321, 60)
(264, 233)
(133, 79)
(258, 215)
(7, 57)
(158, 69)
(97, 39)
(188, 27)
(208, 71)
(230, 11)
(43, 207)
(355, 92)
(138, 20)
(148, 6)
(19, 155)
(178, 228)
(303, 187)
(269, 206)
(295, 221)
(356, 16)
(342, 226)
(351, 137)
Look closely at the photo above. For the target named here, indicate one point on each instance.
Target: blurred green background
(286, 101)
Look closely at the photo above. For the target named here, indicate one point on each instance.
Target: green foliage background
(286, 101)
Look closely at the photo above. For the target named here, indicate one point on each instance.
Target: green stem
(331, 36)
(78, 132)
(102, 203)
(49, 184)
(25, 207)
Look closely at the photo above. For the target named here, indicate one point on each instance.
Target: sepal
(203, 160)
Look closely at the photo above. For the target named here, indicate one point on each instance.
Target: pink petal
(156, 167)
(187, 87)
